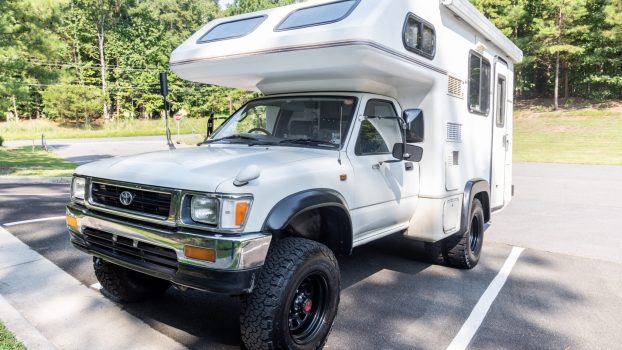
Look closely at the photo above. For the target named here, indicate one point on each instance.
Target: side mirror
(404, 151)
(413, 118)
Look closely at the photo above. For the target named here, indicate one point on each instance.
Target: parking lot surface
(564, 291)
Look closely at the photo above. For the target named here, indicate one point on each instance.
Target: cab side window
(370, 141)
(380, 131)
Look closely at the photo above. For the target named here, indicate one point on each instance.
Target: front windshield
(319, 122)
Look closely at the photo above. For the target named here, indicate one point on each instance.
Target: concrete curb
(23, 331)
(35, 180)
(65, 311)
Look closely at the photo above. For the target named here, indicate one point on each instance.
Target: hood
(197, 169)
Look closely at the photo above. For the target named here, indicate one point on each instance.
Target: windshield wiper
(311, 142)
(232, 137)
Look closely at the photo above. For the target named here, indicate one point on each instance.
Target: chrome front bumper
(238, 257)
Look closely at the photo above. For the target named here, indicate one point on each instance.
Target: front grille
(129, 250)
(143, 202)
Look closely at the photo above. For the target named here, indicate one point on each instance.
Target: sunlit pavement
(565, 290)
(82, 151)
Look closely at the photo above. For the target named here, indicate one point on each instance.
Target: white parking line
(9, 224)
(33, 194)
(472, 324)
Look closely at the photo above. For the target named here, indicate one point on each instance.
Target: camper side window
(419, 36)
(479, 84)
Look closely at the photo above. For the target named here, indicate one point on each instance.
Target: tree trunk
(566, 85)
(15, 112)
(102, 63)
(556, 98)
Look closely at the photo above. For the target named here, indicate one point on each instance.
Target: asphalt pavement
(564, 292)
(82, 151)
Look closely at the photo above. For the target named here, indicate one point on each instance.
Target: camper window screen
(233, 29)
(419, 36)
(479, 84)
(318, 15)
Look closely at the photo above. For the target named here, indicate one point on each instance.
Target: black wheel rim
(475, 234)
(308, 308)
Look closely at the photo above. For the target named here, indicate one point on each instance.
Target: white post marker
(472, 324)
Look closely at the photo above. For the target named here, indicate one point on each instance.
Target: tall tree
(101, 14)
(557, 30)
(613, 16)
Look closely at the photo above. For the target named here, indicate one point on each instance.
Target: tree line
(79, 60)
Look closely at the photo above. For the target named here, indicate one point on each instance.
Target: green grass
(8, 341)
(32, 130)
(582, 136)
(22, 161)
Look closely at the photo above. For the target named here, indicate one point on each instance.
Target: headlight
(78, 188)
(234, 212)
(204, 209)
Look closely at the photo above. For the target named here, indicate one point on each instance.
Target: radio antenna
(164, 92)
(340, 132)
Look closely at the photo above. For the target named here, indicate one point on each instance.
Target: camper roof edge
(465, 10)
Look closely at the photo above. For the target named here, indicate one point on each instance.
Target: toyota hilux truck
(376, 117)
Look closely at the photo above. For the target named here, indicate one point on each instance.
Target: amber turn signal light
(72, 222)
(240, 212)
(199, 253)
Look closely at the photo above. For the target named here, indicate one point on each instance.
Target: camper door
(501, 157)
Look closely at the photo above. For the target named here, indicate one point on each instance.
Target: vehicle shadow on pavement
(391, 298)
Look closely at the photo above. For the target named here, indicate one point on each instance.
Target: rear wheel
(463, 251)
(296, 298)
(125, 285)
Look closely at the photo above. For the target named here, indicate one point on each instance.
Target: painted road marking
(472, 324)
(33, 194)
(9, 224)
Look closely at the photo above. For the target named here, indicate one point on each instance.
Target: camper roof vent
(455, 87)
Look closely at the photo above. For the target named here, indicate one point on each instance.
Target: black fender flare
(472, 189)
(289, 207)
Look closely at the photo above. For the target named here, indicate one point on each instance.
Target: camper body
(378, 117)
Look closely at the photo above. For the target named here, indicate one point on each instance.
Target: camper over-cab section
(443, 57)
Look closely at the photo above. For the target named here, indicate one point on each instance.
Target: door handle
(377, 165)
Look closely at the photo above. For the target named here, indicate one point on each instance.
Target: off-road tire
(460, 251)
(265, 320)
(125, 285)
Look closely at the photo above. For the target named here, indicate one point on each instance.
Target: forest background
(88, 62)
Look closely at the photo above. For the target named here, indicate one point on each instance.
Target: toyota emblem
(126, 198)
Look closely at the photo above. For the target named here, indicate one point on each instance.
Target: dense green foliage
(586, 35)
(80, 60)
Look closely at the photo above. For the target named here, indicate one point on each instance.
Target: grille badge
(126, 198)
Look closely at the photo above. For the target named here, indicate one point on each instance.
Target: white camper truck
(378, 117)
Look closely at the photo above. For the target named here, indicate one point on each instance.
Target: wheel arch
(475, 189)
(318, 214)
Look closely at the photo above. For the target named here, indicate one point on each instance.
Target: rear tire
(124, 285)
(463, 251)
(295, 301)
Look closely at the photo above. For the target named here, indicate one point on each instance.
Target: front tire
(124, 285)
(463, 251)
(295, 301)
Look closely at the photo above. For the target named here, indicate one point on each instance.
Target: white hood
(198, 169)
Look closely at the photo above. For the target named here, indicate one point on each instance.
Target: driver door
(381, 186)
